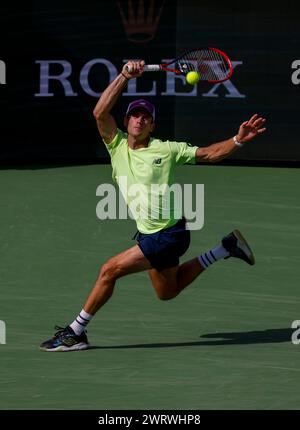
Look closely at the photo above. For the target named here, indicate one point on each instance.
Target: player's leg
(130, 261)
(164, 282)
(168, 283)
(73, 337)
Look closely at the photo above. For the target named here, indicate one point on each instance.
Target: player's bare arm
(105, 121)
(218, 151)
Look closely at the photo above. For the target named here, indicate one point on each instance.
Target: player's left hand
(250, 129)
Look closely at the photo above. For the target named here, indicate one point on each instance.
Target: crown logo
(139, 26)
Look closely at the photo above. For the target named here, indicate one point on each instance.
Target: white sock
(80, 322)
(212, 256)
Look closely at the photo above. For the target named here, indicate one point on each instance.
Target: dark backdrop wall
(60, 55)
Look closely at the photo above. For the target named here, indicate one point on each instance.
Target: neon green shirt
(144, 175)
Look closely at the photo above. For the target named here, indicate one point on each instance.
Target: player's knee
(109, 271)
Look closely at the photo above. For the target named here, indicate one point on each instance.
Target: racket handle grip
(152, 68)
(147, 68)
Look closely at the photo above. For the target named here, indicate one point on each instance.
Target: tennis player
(143, 159)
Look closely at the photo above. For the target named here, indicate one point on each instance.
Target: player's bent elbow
(208, 156)
(97, 114)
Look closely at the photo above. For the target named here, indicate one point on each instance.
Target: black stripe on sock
(211, 253)
(83, 325)
(203, 261)
(83, 318)
(208, 258)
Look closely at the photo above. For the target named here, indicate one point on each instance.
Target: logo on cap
(142, 104)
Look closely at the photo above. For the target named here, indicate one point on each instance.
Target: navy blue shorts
(164, 248)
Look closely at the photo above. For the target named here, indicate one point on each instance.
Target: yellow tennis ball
(192, 78)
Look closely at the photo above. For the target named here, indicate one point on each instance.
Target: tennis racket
(212, 65)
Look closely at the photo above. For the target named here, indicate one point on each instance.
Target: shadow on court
(276, 335)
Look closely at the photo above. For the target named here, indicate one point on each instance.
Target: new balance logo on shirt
(157, 161)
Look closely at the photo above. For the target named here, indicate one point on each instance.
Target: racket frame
(165, 66)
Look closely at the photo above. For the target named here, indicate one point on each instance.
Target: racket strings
(210, 64)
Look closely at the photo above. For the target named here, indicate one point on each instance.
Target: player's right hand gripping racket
(212, 65)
